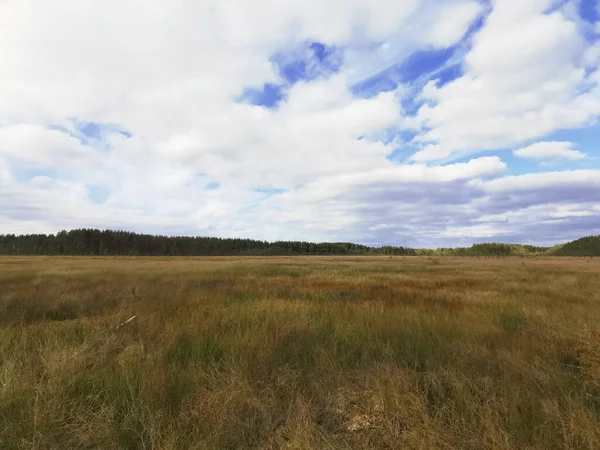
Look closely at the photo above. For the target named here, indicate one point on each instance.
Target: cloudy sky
(413, 122)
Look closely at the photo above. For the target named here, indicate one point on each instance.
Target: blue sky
(421, 124)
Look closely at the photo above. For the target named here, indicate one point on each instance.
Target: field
(299, 353)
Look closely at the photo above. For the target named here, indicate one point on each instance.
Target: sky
(418, 123)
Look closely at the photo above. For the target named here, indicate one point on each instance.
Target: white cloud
(171, 74)
(524, 78)
(549, 151)
(315, 133)
(115, 62)
(474, 231)
(550, 211)
(452, 22)
(591, 57)
(445, 26)
(404, 175)
(43, 146)
(544, 180)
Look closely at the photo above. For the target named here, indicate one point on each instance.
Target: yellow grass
(299, 353)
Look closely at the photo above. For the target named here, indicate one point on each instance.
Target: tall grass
(299, 353)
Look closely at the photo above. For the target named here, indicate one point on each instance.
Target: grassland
(299, 353)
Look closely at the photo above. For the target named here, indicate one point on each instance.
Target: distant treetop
(93, 242)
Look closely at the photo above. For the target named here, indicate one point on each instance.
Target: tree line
(93, 242)
(586, 246)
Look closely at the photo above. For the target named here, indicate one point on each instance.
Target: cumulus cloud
(43, 146)
(148, 107)
(446, 31)
(546, 180)
(524, 77)
(549, 151)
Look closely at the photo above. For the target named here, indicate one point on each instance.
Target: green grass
(299, 353)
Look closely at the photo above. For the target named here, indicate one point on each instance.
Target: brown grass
(299, 353)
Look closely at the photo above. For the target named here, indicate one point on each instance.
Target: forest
(94, 242)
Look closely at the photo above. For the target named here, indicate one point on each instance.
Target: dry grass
(299, 353)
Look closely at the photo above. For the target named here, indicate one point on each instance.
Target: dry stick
(37, 393)
(126, 322)
(100, 335)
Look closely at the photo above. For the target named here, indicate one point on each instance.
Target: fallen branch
(126, 322)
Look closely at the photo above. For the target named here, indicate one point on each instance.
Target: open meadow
(299, 353)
